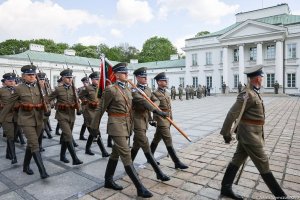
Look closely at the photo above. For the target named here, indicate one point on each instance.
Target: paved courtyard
(207, 157)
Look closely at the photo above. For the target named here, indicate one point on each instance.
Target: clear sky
(113, 22)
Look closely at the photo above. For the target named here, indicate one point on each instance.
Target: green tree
(202, 33)
(89, 53)
(13, 46)
(157, 48)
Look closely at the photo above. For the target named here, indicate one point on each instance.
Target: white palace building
(268, 36)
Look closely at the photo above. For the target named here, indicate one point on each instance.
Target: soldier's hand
(153, 123)
(161, 113)
(79, 112)
(47, 114)
(227, 139)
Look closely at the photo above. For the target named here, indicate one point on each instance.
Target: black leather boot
(226, 189)
(88, 145)
(27, 159)
(273, 185)
(71, 149)
(174, 157)
(57, 129)
(40, 140)
(109, 141)
(20, 134)
(109, 173)
(153, 147)
(8, 153)
(63, 150)
(134, 152)
(83, 128)
(74, 143)
(159, 174)
(12, 149)
(141, 190)
(39, 162)
(48, 132)
(102, 148)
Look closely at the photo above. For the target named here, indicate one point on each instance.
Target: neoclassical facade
(268, 36)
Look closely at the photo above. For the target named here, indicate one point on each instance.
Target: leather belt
(30, 107)
(166, 110)
(253, 121)
(118, 114)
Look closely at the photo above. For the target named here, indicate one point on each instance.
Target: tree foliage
(157, 48)
(202, 33)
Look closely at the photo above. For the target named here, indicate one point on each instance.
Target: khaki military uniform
(65, 110)
(250, 134)
(117, 101)
(30, 115)
(163, 100)
(180, 92)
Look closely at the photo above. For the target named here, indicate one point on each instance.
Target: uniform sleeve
(53, 95)
(106, 100)
(139, 99)
(7, 107)
(154, 99)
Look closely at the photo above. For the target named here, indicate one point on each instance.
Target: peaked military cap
(41, 75)
(84, 79)
(142, 72)
(94, 75)
(9, 76)
(120, 67)
(67, 73)
(254, 71)
(3, 80)
(161, 77)
(28, 69)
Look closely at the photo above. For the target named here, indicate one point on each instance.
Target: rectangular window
(291, 80)
(271, 51)
(221, 56)
(236, 80)
(291, 48)
(194, 59)
(181, 81)
(209, 81)
(54, 82)
(195, 81)
(208, 58)
(270, 80)
(253, 53)
(235, 55)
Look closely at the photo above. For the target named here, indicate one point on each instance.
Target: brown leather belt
(118, 114)
(253, 121)
(30, 107)
(66, 106)
(165, 110)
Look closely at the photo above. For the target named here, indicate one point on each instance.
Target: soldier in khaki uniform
(163, 100)
(141, 114)
(117, 101)
(250, 136)
(9, 125)
(180, 92)
(84, 101)
(30, 117)
(65, 114)
(90, 94)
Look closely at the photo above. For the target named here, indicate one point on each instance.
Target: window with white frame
(208, 58)
(291, 51)
(235, 55)
(253, 53)
(194, 59)
(291, 80)
(221, 56)
(55, 78)
(270, 80)
(195, 81)
(271, 51)
(236, 80)
(209, 81)
(181, 81)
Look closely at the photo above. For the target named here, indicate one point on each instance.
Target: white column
(225, 65)
(279, 63)
(259, 54)
(241, 63)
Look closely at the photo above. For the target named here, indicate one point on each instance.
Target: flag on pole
(107, 76)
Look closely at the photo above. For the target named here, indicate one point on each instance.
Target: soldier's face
(122, 76)
(141, 80)
(42, 82)
(10, 83)
(29, 78)
(67, 80)
(162, 84)
(95, 81)
(260, 80)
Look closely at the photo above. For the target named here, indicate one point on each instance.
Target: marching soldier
(162, 99)
(59, 82)
(65, 114)
(9, 125)
(141, 114)
(30, 117)
(180, 92)
(117, 101)
(89, 93)
(85, 82)
(250, 136)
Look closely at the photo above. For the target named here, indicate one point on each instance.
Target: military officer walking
(65, 114)
(117, 101)
(180, 92)
(141, 115)
(162, 99)
(250, 136)
(85, 82)
(90, 94)
(30, 117)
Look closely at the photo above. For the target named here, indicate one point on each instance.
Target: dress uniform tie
(121, 84)
(142, 87)
(162, 90)
(67, 86)
(30, 84)
(11, 89)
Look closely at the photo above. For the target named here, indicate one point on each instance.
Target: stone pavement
(207, 157)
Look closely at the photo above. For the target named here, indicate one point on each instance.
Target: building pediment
(252, 29)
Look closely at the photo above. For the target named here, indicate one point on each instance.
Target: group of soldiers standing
(190, 92)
